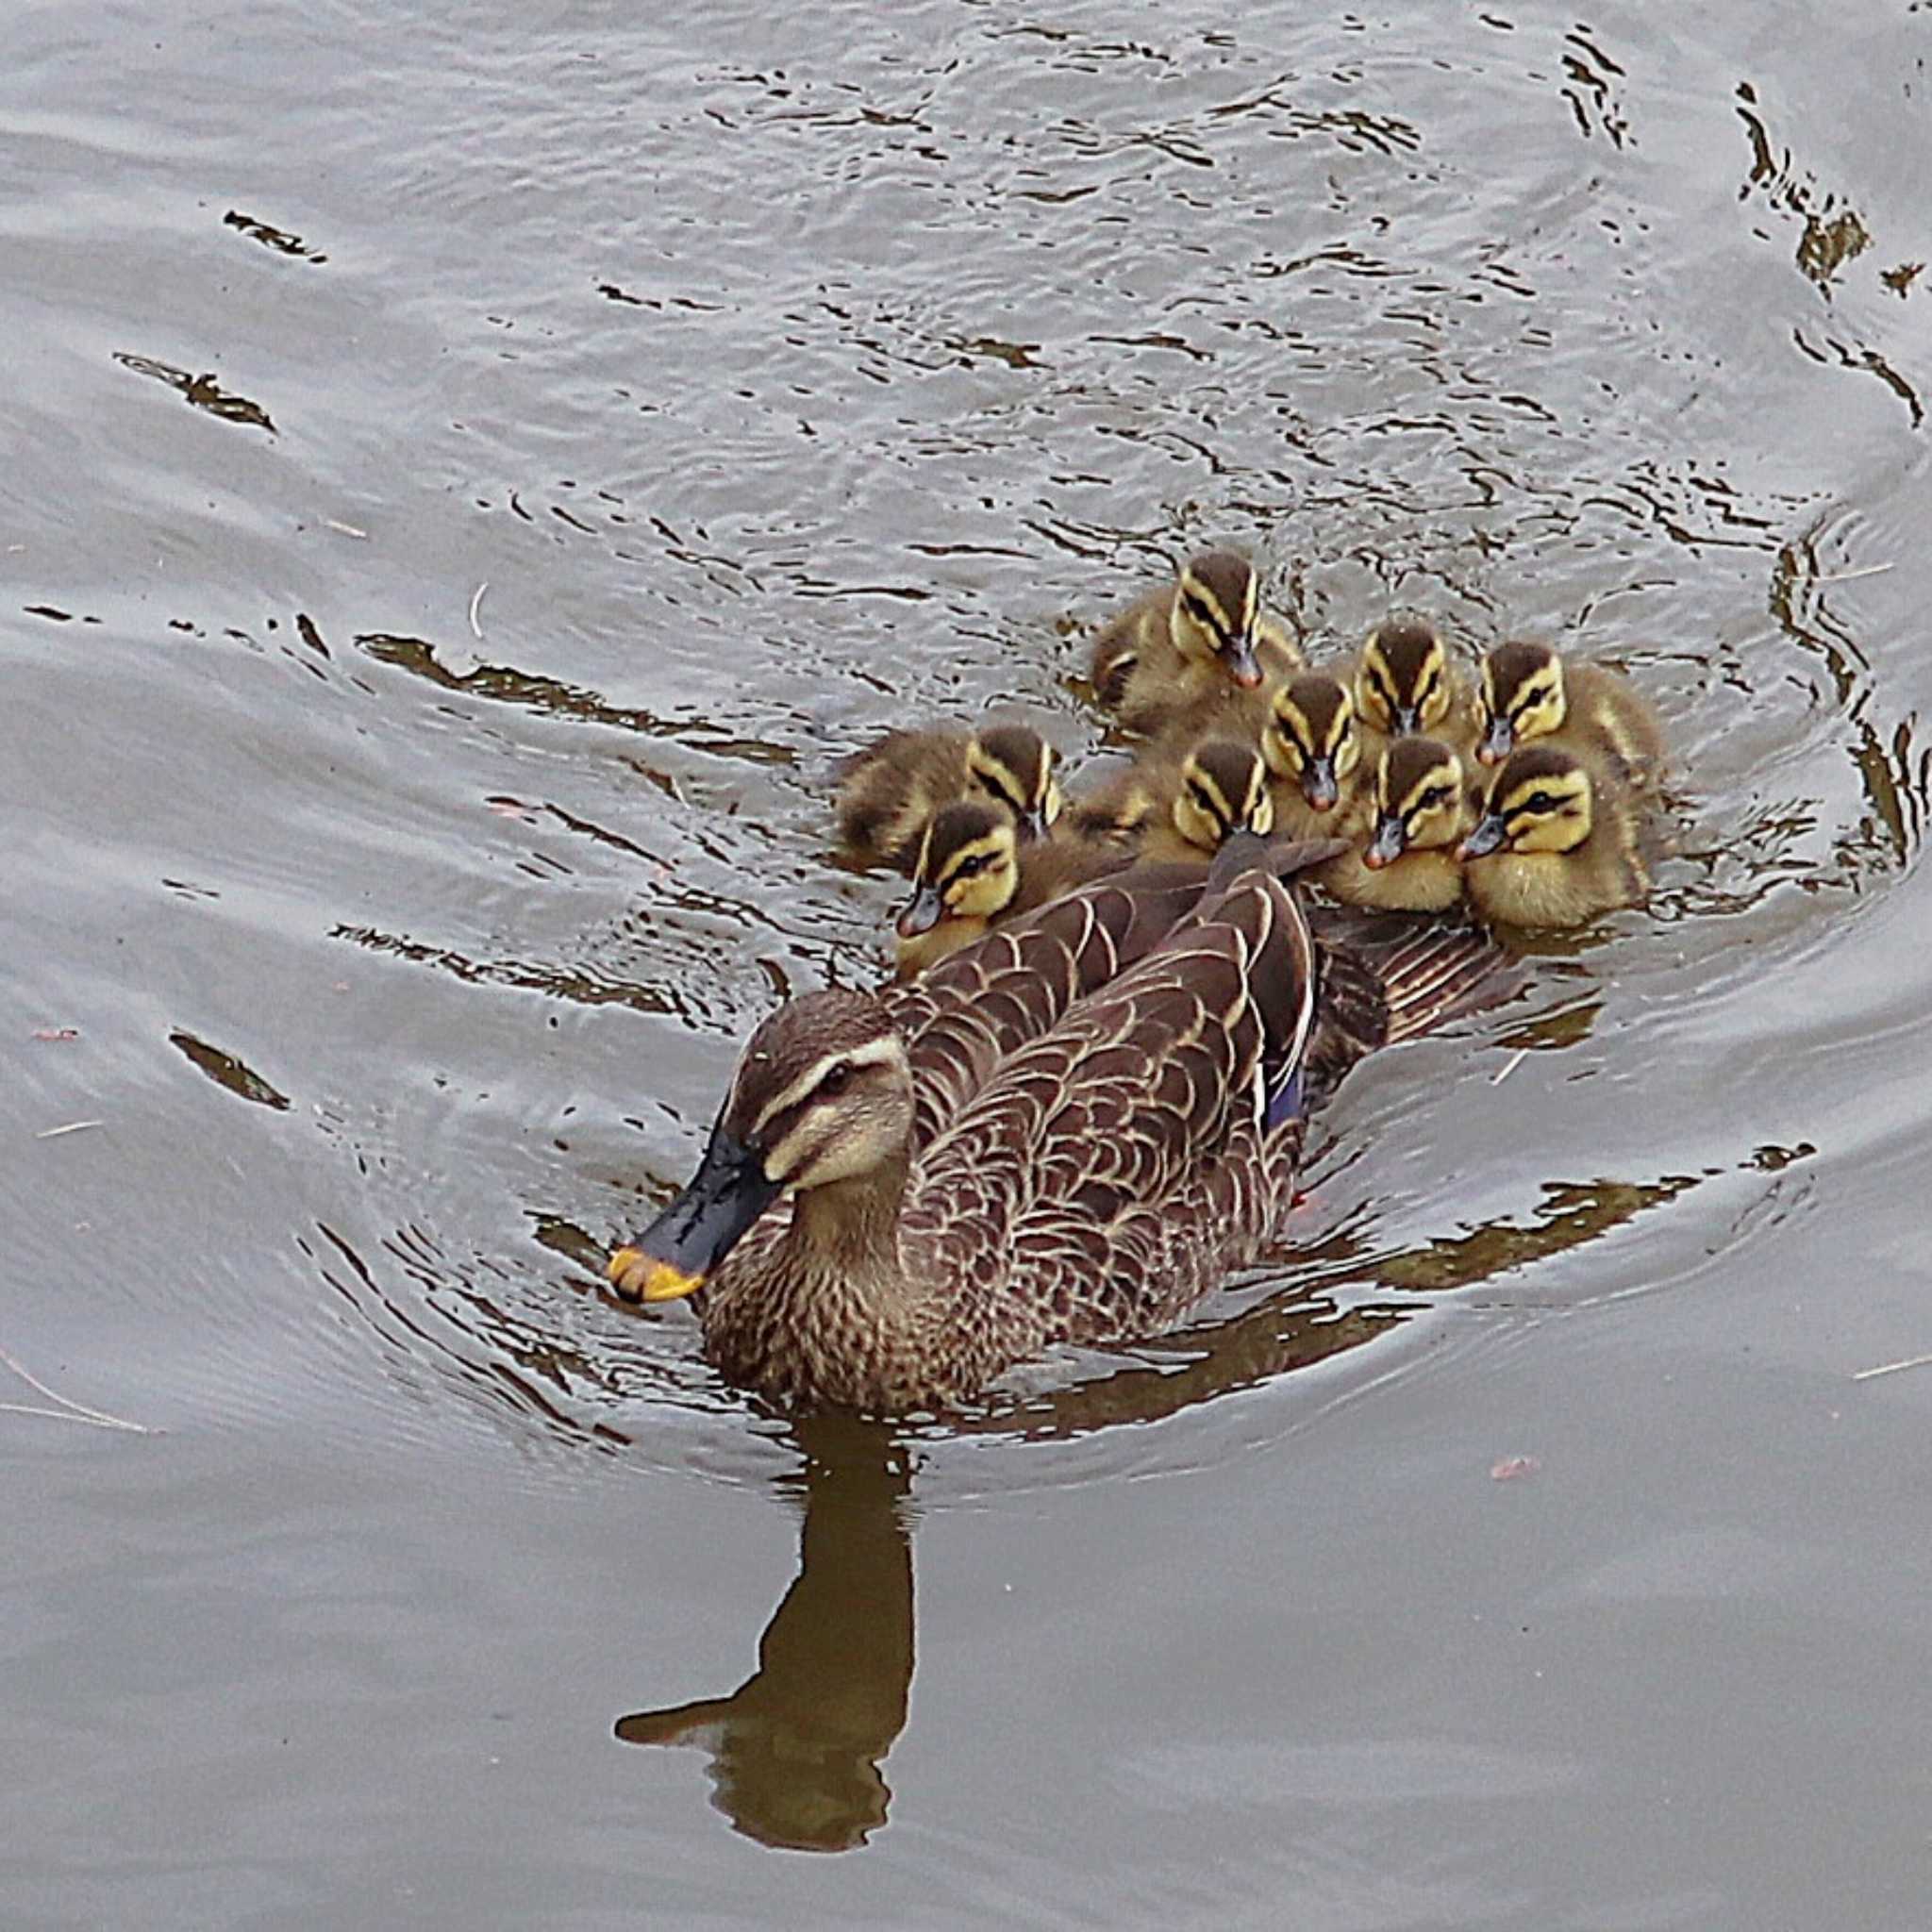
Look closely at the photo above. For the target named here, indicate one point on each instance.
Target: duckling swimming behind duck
(1529, 691)
(972, 872)
(1322, 757)
(1179, 658)
(1422, 809)
(1169, 808)
(1405, 686)
(890, 790)
(1556, 844)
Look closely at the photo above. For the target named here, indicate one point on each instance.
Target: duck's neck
(849, 1230)
(833, 1314)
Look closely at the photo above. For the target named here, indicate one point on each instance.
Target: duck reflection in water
(796, 1748)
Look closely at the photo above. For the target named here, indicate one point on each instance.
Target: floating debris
(69, 1410)
(1912, 1361)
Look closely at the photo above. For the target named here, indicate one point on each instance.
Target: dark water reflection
(796, 1749)
(473, 474)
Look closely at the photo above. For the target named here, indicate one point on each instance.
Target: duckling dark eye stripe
(970, 861)
(875, 1053)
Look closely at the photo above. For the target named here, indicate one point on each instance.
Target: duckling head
(1223, 790)
(1311, 739)
(1540, 801)
(1403, 685)
(1521, 697)
(1014, 766)
(1216, 601)
(968, 868)
(1418, 800)
(822, 1093)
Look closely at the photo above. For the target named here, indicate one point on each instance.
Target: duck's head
(1311, 739)
(1418, 794)
(1215, 600)
(968, 868)
(1223, 790)
(1541, 800)
(1521, 697)
(822, 1093)
(1014, 766)
(1404, 684)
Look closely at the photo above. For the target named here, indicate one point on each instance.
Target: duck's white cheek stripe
(875, 1053)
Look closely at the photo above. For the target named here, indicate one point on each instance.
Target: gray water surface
(471, 473)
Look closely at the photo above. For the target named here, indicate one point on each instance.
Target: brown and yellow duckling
(973, 871)
(1556, 844)
(1168, 808)
(1405, 686)
(889, 792)
(1323, 758)
(1422, 806)
(1529, 691)
(1179, 658)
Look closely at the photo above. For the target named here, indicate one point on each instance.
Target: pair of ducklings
(1246, 736)
(980, 824)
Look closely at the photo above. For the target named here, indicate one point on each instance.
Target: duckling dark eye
(1435, 796)
(834, 1080)
(1540, 801)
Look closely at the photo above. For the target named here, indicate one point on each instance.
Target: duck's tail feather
(1390, 979)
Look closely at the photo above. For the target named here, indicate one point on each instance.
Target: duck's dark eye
(1540, 801)
(835, 1081)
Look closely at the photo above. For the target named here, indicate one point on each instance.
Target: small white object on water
(1912, 1361)
(475, 605)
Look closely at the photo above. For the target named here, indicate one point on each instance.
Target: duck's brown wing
(1386, 977)
(1114, 1167)
(963, 1017)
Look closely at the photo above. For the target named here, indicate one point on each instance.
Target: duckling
(1422, 806)
(887, 792)
(1405, 686)
(1186, 655)
(1528, 691)
(1323, 757)
(1169, 808)
(1557, 843)
(972, 872)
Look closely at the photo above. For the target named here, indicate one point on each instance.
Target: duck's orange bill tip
(644, 1279)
